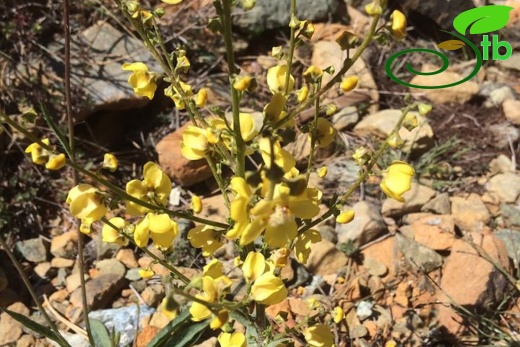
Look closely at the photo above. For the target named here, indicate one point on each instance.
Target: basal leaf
(482, 20)
(180, 332)
(100, 333)
(451, 45)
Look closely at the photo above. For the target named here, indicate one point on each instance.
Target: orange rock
(146, 335)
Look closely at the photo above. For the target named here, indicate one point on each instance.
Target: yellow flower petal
(56, 162)
(276, 79)
(254, 266)
(318, 335)
(345, 217)
(268, 289)
(110, 162)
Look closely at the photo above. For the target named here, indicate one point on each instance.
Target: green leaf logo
(482, 20)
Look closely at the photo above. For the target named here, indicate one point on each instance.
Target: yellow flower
(198, 311)
(175, 95)
(85, 203)
(172, 2)
(373, 9)
(250, 125)
(194, 143)
(276, 79)
(338, 314)
(160, 227)
(169, 307)
(322, 172)
(274, 108)
(55, 162)
(112, 235)
(319, 335)
(361, 156)
(196, 204)
(141, 79)
(213, 290)
(302, 245)
(201, 98)
(325, 132)
(254, 266)
(398, 25)
(349, 83)
(206, 238)
(146, 273)
(236, 339)
(282, 158)
(213, 269)
(268, 289)
(110, 162)
(395, 141)
(397, 180)
(39, 155)
(345, 217)
(220, 319)
(302, 93)
(410, 121)
(242, 83)
(312, 74)
(424, 109)
(154, 189)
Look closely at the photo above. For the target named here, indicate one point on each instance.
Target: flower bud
(345, 217)
(349, 83)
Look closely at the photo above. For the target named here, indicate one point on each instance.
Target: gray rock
(498, 95)
(510, 215)
(133, 275)
(440, 204)
(111, 266)
(345, 118)
(505, 186)
(511, 239)
(501, 164)
(364, 310)
(273, 14)
(418, 256)
(75, 340)
(341, 173)
(34, 250)
(503, 133)
(123, 320)
(416, 198)
(368, 225)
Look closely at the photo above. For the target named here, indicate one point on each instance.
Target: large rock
(11, 329)
(469, 214)
(382, 123)
(503, 134)
(64, 245)
(416, 198)
(470, 280)
(512, 111)
(34, 250)
(440, 204)
(434, 231)
(511, 239)
(368, 225)
(505, 186)
(183, 171)
(325, 259)
(385, 252)
(274, 14)
(418, 256)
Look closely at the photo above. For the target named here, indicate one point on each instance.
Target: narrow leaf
(100, 333)
(180, 332)
(36, 327)
(451, 45)
(482, 20)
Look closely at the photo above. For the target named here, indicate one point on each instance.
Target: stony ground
(441, 269)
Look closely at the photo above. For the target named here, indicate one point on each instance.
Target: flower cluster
(41, 155)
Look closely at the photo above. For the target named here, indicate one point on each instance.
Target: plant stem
(292, 46)
(29, 286)
(219, 179)
(313, 137)
(235, 98)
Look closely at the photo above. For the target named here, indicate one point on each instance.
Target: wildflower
(250, 125)
(169, 307)
(322, 171)
(202, 98)
(213, 269)
(268, 289)
(220, 319)
(338, 314)
(395, 140)
(274, 108)
(173, 93)
(373, 9)
(237, 339)
(172, 2)
(318, 335)
(307, 29)
(242, 83)
(206, 238)
(110, 162)
(39, 155)
(254, 266)
(349, 83)
(276, 77)
(55, 162)
(312, 74)
(154, 189)
(183, 64)
(302, 245)
(160, 227)
(196, 204)
(109, 234)
(146, 273)
(361, 156)
(424, 109)
(410, 121)
(86, 204)
(325, 132)
(213, 290)
(141, 79)
(397, 180)
(302, 93)
(282, 158)
(345, 217)
(194, 143)
(398, 25)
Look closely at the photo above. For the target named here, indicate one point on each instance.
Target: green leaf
(36, 327)
(482, 20)
(451, 45)
(100, 333)
(180, 332)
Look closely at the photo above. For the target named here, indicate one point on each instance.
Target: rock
(159, 320)
(416, 198)
(511, 239)
(364, 310)
(460, 93)
(498, 95)
(64, 245)
(301, 148)
(4, 282)
(325, 259)
(436, 232)
(61, 262)
(345, 118)
(469, 214)
(153, 295)
(342, 172)
(127, 257)
(385, 252)
(382, 123)
(472, 281)
(214, 207)
(501, 164)
(503, 134)
(183, 171)
(42, 269)
(274, 14)
(510, 215)
(133, 275)
(75, 340)
(374, 267)
(73, 281)
(34, 250)
(101, 289)
(59, 295)
(25, 341)
(440, 204)
(506, 186)
(10, 329)
(123, 320)
(512, 111)
(418, 256)
(367, 225)
(513, 63)
(146, 335)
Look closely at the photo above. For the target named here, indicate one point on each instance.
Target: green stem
(235, 97)
(29, 286)
(347, 64)
(313, 136)
(292, 47)
(219, 179)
